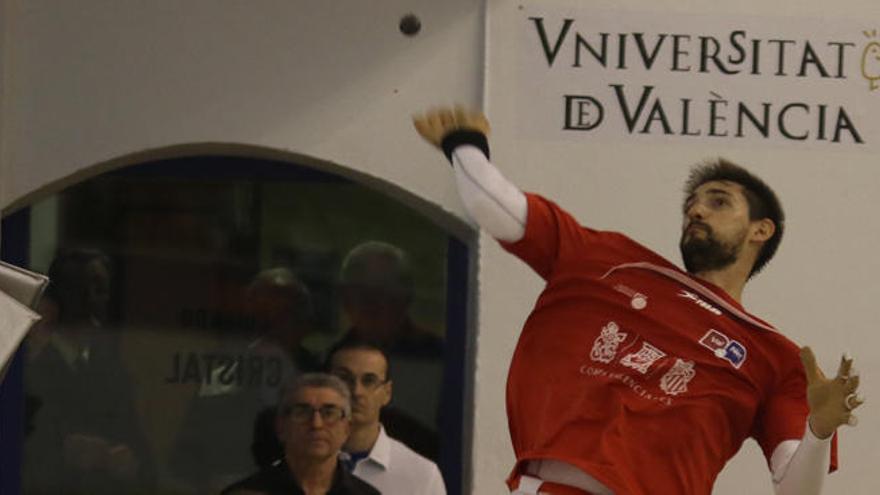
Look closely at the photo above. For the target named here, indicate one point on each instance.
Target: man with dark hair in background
(632, 376)
(373, 455)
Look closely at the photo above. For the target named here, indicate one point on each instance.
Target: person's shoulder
(357, 486)
(411, 460)
(618, 250)
(781, 348)
(262, 480)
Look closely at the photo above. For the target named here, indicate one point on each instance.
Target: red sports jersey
(641, 375)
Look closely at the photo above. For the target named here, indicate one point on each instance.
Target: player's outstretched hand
(437, 122)
(832, 401)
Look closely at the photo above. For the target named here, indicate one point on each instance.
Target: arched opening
(188, 289)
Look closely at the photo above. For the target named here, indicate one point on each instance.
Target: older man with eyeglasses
(372, 455)
(313, 422)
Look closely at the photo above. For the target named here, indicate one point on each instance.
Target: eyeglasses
(370, 381)
(303, 413)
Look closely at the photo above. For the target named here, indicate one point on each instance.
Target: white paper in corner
(23, 285)
(15, 321)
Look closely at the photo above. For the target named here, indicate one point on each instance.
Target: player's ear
(763, 229)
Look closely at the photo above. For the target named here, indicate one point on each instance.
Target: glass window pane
(185, 293)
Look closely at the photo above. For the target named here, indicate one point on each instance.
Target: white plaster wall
(89, 81)
(5, 65)
(94, 80)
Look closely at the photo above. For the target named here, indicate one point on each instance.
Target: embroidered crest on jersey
(724, 348)
(642, 359)
(699, 302)
(676, 379)
(605, 345)
(637, 300)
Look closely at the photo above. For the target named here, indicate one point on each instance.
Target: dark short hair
(761, 199)
(355, 342)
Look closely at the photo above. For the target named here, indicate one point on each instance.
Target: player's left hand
(832, 401)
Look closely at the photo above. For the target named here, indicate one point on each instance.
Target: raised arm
(494, 203)
(799, 467)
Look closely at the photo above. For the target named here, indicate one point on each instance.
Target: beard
(708, 253)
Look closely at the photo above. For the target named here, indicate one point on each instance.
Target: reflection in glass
(87, 437)
(186, 292)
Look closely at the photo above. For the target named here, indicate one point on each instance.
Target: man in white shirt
(378, 459)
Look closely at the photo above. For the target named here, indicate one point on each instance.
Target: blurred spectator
(282, 308)
(228, 428)
(85, 434)
(377, 292)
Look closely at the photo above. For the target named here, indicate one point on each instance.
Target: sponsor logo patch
(724, 348)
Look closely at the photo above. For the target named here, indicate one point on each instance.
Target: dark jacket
(278, 480)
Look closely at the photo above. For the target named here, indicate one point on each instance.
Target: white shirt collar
(381, 451)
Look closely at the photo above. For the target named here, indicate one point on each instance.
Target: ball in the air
(410, 25)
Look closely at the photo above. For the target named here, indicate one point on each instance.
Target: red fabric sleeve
(546, 226)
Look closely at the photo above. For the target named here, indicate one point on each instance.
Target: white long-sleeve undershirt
(500, 208)
(495, 203)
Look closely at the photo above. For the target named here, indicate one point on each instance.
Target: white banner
(609, 75)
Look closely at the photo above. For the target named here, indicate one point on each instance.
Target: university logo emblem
(724, 347)
(642, 360)
(605, 345)
(871, 60)
(676, 379)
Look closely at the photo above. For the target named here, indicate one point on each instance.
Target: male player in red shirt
(632, 376)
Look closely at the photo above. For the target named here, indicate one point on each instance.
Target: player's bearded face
(703, 249)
